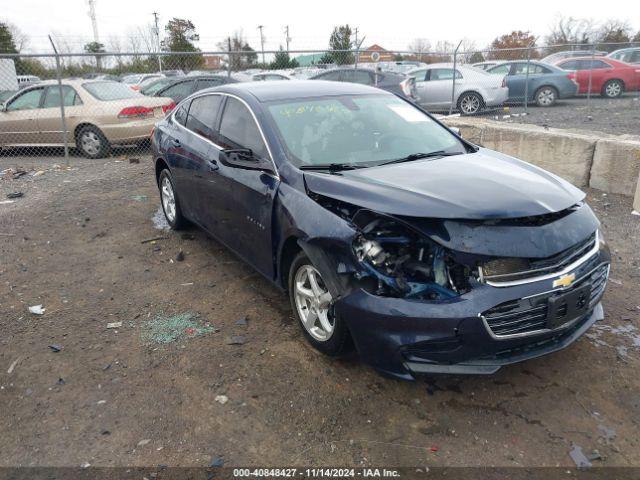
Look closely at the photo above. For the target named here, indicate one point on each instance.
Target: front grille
(514, 269)
(528, 315)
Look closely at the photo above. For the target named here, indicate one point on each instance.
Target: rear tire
(612, 89)
(92, 142)
(546, 96)
(169, 201)
(470, 103)
(312, 307)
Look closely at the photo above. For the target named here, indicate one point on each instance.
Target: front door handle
(175, 142)
(213, 165)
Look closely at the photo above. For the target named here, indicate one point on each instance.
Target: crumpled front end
(422, 295)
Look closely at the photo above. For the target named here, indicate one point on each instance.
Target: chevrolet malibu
(391, 234)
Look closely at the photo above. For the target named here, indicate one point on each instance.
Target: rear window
(107, 91)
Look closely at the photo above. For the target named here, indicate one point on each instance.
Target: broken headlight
(399, 262)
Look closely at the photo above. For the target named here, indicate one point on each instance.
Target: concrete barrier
(616, 166)
(607, 162)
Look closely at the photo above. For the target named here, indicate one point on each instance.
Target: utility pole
(357, 48)
(94, 25)
(260, 27)
(287, 37)
(94, 22)
(157, 30)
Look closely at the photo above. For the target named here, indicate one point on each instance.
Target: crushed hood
(476, 186)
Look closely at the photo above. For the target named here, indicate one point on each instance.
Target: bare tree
(20, 39)
(614, 32)
(570, 30)
(419, 47)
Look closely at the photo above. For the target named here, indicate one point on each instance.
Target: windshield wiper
(331, 167)
(418, 156)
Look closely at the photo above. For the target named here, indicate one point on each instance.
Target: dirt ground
(110, 397)
(616, 116)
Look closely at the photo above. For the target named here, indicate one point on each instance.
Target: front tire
(546, 96)
(92, 142)
(470, 103)
(169, 201)
(612, 89)
(313, 308)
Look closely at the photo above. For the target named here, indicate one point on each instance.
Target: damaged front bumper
(404, 338)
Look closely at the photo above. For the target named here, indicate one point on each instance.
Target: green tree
(181, 34)
(95, 47)
(340, 41)
(241, 55)
(8, 45)
(282, 60)
(476, 57)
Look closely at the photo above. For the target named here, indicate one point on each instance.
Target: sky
(391, 25)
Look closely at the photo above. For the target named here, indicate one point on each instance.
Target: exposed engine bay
(398, 261)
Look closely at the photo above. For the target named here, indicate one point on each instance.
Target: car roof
(613, 61)
(292, 89)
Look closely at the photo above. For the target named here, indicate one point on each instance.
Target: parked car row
(98, 113)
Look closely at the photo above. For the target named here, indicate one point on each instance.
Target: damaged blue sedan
(391, 234)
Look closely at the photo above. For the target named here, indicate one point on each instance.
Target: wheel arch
(288, 251)
(160, 165)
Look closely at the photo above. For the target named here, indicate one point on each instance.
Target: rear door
(19, 122)
(49, 117)
(248, 230)
(438, 85)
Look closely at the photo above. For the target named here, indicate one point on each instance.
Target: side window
(275, 77)
(634, 57)
(333, 76)
(521, 69)
(443, 74)
(202, 115)
(419, 75)
(179, 90)
(238, 129)
(502, 69)
(52, 97)
(181, 114)
(358, 76)
(27, 101)
(600, 64)
(208, 83)
(570, 65)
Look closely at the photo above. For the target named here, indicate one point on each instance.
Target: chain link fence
(95, 105)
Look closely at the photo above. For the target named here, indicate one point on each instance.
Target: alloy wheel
(470, 104)
(91, 142)
(313, 300)
(168, 199)
(546, 97)
(613, 89)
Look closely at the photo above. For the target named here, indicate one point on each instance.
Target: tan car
(99, 114)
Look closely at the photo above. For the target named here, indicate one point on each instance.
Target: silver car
(475, 90)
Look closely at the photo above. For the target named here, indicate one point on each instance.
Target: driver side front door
(19, 121)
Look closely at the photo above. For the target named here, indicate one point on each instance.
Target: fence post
(62, 115)
(526, 80)
(229, 57)
(453, 84)
(593, 56)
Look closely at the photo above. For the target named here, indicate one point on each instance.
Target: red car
(609, 77)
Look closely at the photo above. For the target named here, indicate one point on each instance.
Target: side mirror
(456, 130)
(244, 158)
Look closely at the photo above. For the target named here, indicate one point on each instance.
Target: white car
(475, 90)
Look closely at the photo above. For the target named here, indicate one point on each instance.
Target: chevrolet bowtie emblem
(564, 280)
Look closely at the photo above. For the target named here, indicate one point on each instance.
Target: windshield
(110, 91)
(357, 130)
(154, 85)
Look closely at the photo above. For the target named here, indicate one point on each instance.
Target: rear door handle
(213, 165)
(175, 142)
